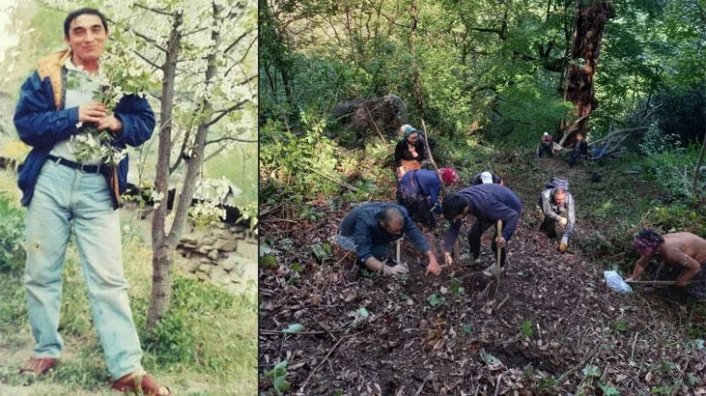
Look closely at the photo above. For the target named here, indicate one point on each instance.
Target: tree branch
(230, 138)
(225, 112)
(147, 39)
(237, 40)
(156, 66)
(155, 10)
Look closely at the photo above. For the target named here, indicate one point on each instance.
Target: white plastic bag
(616, 283)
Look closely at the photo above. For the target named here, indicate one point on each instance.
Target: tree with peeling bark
(590, 21)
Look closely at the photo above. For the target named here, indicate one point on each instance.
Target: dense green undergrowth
(208, 336)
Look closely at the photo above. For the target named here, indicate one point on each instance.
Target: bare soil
(550, 326)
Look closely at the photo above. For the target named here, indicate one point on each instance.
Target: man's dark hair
(83, 11)
(454, 205)
(647, 238)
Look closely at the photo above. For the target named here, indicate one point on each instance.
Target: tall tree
(590, 22)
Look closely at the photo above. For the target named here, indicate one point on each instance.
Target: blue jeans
(348, 243)
(66, 198)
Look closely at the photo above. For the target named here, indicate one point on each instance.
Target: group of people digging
(369, 228)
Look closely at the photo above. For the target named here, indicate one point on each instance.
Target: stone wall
(220, 254)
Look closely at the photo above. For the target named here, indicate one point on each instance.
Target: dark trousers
(575, 155)
(477, 230)
(545, 151)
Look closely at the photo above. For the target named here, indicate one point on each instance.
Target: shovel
(616, 282)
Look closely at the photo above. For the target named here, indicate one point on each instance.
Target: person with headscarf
(681, 249)
(418, 191)
(410, 151)
(486, 177)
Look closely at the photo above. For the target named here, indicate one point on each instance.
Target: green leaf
(608, 390)
(697, 344)
(293, 328)
(467, 329)
(322, 251)
(456, 288)
(591, 371)
(296, 267)
(362, 313)
(692, 379)
(435, 300)
(268, 261)
(281, 384)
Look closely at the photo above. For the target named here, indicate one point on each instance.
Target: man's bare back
(680, 249)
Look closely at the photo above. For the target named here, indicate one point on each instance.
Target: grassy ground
(205, 346)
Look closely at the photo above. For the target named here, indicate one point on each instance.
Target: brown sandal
(141, 384)
(38, 366)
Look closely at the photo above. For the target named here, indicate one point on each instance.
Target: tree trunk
(162, 259)
(195, 164)
(591, 18)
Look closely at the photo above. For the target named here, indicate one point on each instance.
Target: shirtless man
(679, 249)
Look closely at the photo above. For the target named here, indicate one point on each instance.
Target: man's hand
(110, 123)
(562, 221)
(91, 112)
(448, 259)
(500, 241)
(433, 267)
(399, 269)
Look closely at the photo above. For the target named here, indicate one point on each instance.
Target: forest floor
(551, 326)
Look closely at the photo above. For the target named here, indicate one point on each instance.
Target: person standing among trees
(369, 228)
(546, 146)
(62, 195)
(580, 150)
(488, 203)
(410, 152)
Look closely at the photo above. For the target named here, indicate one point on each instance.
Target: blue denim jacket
(41, 123)
(422, 182)
(363, 224)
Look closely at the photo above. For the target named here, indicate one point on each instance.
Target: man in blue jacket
(369, 228)
(488, 203)
(65, 194)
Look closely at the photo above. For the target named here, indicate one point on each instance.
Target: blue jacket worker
(488, 203)
(66, 193)
(368, 229)
(418, 191)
